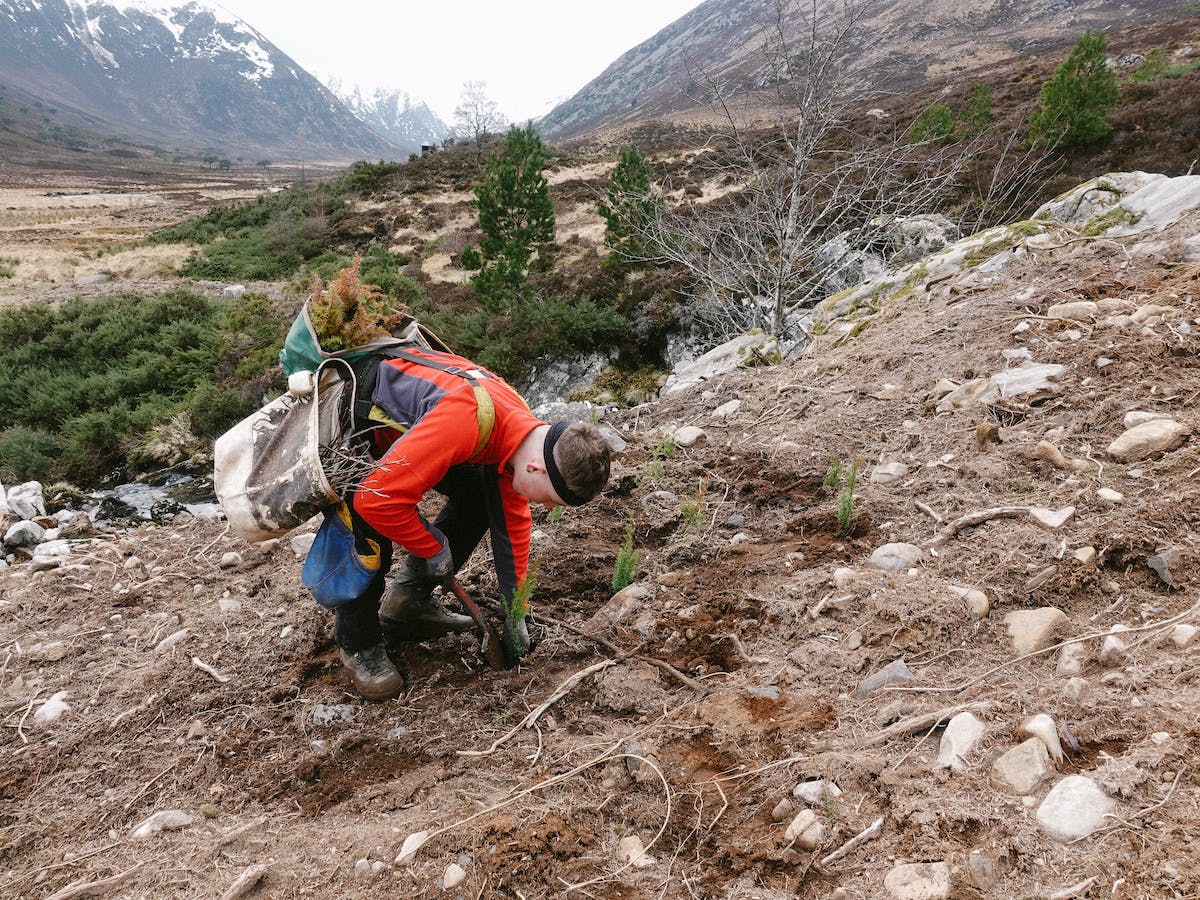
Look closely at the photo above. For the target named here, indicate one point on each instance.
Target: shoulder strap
(368, 416)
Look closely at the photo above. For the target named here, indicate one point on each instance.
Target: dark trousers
(463, 520)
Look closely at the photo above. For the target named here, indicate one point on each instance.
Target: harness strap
(368, 416)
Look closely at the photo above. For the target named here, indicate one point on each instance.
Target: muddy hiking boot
(374, 675)
(410, 612)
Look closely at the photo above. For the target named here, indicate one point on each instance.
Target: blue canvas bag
(334, 570)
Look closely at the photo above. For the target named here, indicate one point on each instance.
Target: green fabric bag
(302, 351)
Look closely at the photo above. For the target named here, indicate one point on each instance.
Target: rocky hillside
(977, 677)
(894, 47)
(191, 76)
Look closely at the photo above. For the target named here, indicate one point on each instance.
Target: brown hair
(582, 456)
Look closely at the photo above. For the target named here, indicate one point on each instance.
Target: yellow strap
(370, 560)
(485, 410)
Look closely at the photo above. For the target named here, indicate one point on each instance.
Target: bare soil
(749, 649)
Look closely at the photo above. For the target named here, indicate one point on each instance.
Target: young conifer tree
(1077, 99)
(515, 216)
(629, 205)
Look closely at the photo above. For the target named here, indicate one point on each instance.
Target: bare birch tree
(801, 184)
(477, 116)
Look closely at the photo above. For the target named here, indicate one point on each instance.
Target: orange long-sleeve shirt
(439, 411)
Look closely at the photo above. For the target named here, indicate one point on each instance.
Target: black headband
(567, 495)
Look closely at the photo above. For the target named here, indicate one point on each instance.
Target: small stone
(918, 881)
(1142, 441)
(1034, 629)
(1075, 688)
(26, 501)
(1072, 659)
(287, 631)
(619, 607)
(690, 435)
(171, 640)
(25, 533)
(894, 712)
(1022, 768)
(1136, 417)
(896, 557)
(1183, 635)
(977, 604)
(164, 820)
(53, 709)
(1041, 579)
(740, 538)
(725, 410)
(1161, 564)
(453, 876)
(1051, 454)
(1114, 650)
(1160, 738)
(854, 640)
(631, 850)
(197, 730)
(231, 560)
(814, 792)
(362, 868)
(1108, 495)
(783, 810)
(895, 672)
(1042, 727)
(332, 714)
(1086, 557)
(805, 830)
(962, 735)
(842, 577)
(1074, 309)
(737, 520)
(229, 605)
(411, 845)
(1051, 519)
(1074, 808)
(302, 543)
(886, 473)
(233, 291)
(378, 866)
(209, 811)
(982, 869)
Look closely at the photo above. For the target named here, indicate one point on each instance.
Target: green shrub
(8, 266)
(82, 385)
(365, 178)
(976, 117)
(935, 123)
(847, 515)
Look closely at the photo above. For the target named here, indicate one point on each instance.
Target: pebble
(332, 714)
(737, 520)
(1075, 688)
(1085, 556)
(631, 850)
(229, 605)
(411, 845)
(453, 876)
(302, 543)
(1183, 635)
(24, 534)
(1022, 768)
(727, 409)
(818, 791)
(171, 640)
(977, 604)
(287, 631)
(1034, 629)
(805, 830)
(230, 560)
(362, 868)
(1051, 519)
(1114, 650)
(689, 435)
(895, 672)
(1071, 660)
(960, 739)
(842, 577)
(53, 709)
(1043, 728)
(1074, 808)
(918, 881)
(896, 557)
(740, 538)
(1148, 438)
(1108, 495)
(619, 607)
(886, 473)
(1051, 454)
(783, 809)
(163, 820)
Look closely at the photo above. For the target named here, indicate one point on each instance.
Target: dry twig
(88, 888)
(245, 882)
(861, 838)
(976, 518)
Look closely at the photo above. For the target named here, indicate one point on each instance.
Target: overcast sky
(531, 53)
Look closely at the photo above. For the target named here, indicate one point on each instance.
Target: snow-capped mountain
(404, 120)
(188, 75)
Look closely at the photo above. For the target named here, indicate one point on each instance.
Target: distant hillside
(190, 76)
(404, 120)
(896, 46)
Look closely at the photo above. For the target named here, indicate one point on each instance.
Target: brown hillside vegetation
(203, 683)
